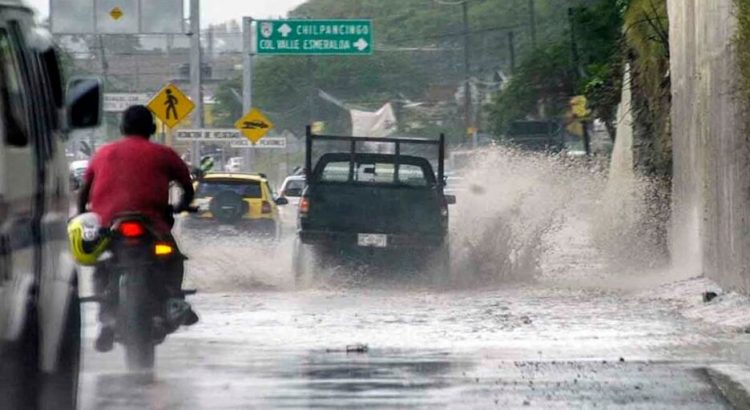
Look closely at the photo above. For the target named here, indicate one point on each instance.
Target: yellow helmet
(86, 242)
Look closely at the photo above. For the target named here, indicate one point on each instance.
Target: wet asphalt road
(560, 342)
(519, 347)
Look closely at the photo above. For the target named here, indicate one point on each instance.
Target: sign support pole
(196, 76)
(247, 82)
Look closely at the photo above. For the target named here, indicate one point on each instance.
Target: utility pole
(196, 79)
(532, 22)
(578, 75)
(574, 43)
(467, 69)
(512, 51)
(247, 82)
(311, 94)
(105, 70)
(210, 49)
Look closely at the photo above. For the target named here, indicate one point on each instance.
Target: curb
(733, 381)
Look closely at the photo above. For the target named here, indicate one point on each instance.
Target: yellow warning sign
(116, 13)
(171, 105)
(318, 127)
(254, 125)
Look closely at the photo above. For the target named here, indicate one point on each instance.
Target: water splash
(628, 225)
(504, 226)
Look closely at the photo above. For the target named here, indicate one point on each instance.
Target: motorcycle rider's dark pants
(169, 272)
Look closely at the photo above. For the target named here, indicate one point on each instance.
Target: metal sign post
(196, 76)
(247, 82)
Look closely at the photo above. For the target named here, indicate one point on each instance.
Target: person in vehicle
(133, 175)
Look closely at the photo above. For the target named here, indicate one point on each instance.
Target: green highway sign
(314, 37)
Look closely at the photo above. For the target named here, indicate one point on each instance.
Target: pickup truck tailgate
(374, 209)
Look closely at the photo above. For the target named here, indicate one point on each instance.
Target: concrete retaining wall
(711, 198)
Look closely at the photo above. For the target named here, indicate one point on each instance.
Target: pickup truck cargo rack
(310, 137)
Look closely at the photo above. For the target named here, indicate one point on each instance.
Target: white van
(39, 306)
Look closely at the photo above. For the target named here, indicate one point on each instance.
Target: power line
(458, 33)
(449, 3)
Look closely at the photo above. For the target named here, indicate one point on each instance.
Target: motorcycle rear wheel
(136, 322)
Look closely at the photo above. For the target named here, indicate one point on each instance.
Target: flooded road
(538, 316)
(523, 346)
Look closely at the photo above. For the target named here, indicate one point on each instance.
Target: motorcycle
(144, 307)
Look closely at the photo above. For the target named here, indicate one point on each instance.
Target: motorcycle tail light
(266, 207)
(304, 205)
(131, 229)
(163, 249)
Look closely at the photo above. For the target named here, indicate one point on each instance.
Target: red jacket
(133, 175)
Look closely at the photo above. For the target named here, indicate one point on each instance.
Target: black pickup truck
(376, 205)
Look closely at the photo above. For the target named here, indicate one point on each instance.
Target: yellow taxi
(244, 201)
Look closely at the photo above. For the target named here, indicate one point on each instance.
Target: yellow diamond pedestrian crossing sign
(254, 125)
(171, 105)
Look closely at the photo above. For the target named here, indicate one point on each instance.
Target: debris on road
(709, 296)
(358, 348)
(355, 348)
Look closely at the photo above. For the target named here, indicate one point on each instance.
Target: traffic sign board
(119, 102)
(265, 143)
(117, 16)
(171, 105)
(232, 136)
(209, 135)
(254, 125)
(116, 13)
(316, 37)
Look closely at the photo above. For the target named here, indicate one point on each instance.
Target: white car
(234, 165)
(291, 189)
(77, 171)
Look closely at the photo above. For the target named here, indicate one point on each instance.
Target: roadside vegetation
(419, 58)
(742, 37)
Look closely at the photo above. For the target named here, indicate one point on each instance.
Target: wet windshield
(294, 188)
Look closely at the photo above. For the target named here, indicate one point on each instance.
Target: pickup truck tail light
(304, 206)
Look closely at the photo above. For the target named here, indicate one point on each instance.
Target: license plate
(372, 240)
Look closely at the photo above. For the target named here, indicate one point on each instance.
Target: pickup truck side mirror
(282, 201)
(450, 199)
(84, 102)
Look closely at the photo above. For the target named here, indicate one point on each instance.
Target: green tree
(228, 103)
(587, 59)
(418, 55)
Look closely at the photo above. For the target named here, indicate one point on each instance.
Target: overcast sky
(219, 11)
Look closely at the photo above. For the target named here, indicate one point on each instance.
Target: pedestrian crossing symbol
(254, 125)
(171, 105)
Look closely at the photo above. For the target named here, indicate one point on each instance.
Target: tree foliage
(418, 53)
(647, 42)
(544, 82)
(587, 60)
